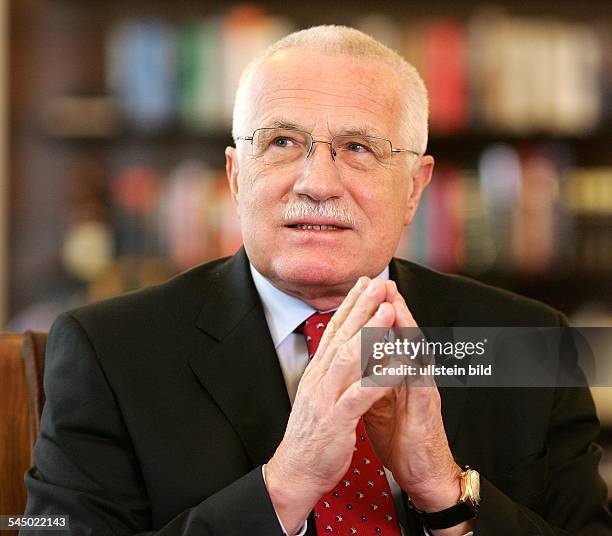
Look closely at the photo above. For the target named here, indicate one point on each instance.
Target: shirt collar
(283, 312)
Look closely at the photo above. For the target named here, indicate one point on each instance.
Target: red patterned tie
(361, 503)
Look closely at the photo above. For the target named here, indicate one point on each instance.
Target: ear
(231, 171)
(420, 180)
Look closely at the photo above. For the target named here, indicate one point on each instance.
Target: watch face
(474, 484)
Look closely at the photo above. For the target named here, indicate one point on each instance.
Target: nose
(319, 178)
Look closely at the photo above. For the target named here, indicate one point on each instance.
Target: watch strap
(456, 514)
(465, 509)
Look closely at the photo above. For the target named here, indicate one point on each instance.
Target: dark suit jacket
(163, 404)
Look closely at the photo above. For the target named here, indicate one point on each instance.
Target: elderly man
(177, 409)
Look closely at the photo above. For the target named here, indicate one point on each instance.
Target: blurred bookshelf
(119, 112)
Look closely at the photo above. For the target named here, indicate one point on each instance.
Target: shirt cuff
(427, 533)
(304, 527)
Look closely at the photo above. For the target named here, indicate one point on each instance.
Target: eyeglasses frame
(332, 152)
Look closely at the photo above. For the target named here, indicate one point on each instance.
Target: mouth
(314, 227)
(318, 225)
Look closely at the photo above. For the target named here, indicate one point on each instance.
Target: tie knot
(313, 328)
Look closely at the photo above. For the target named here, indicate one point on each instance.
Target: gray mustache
(328, 209)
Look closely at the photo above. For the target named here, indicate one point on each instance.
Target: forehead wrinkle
(363, 76)
(367, 84)
(279, 94)
(370, 101)
(339, 106)
(265, 99)
(284, 118)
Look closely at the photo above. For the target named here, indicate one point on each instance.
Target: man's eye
(356, 147)
(282, 142)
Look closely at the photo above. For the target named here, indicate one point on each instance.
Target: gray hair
(334, 40)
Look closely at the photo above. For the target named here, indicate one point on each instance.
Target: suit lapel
(429, 309)
(241, 371)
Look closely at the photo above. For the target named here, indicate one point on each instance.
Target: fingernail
(380, 312)
(362, 282)
(372, 287)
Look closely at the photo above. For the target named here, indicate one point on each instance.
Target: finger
(358, 399)
(346, 365)
(361, 312)
(404, 319)
(423, 399)
(391, 290)
(403, 314)
(343, 311)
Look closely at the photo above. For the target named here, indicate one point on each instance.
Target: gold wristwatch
(470, 486)
(464, 510)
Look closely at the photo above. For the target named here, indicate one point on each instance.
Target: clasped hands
(404, 424)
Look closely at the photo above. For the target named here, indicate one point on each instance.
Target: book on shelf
(142, 72)
(200, 94)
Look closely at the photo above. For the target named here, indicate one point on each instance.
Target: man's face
(325, 96)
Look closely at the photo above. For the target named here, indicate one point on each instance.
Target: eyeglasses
(284, 146)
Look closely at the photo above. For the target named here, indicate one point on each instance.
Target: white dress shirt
(284, 314)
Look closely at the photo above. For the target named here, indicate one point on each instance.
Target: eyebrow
(282, 123)
(358, 131)
(362, 130)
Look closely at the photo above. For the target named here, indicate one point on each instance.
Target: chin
(315, 271)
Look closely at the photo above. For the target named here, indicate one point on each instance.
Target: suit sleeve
(85, 465)
(568, 496)
(573, 500)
